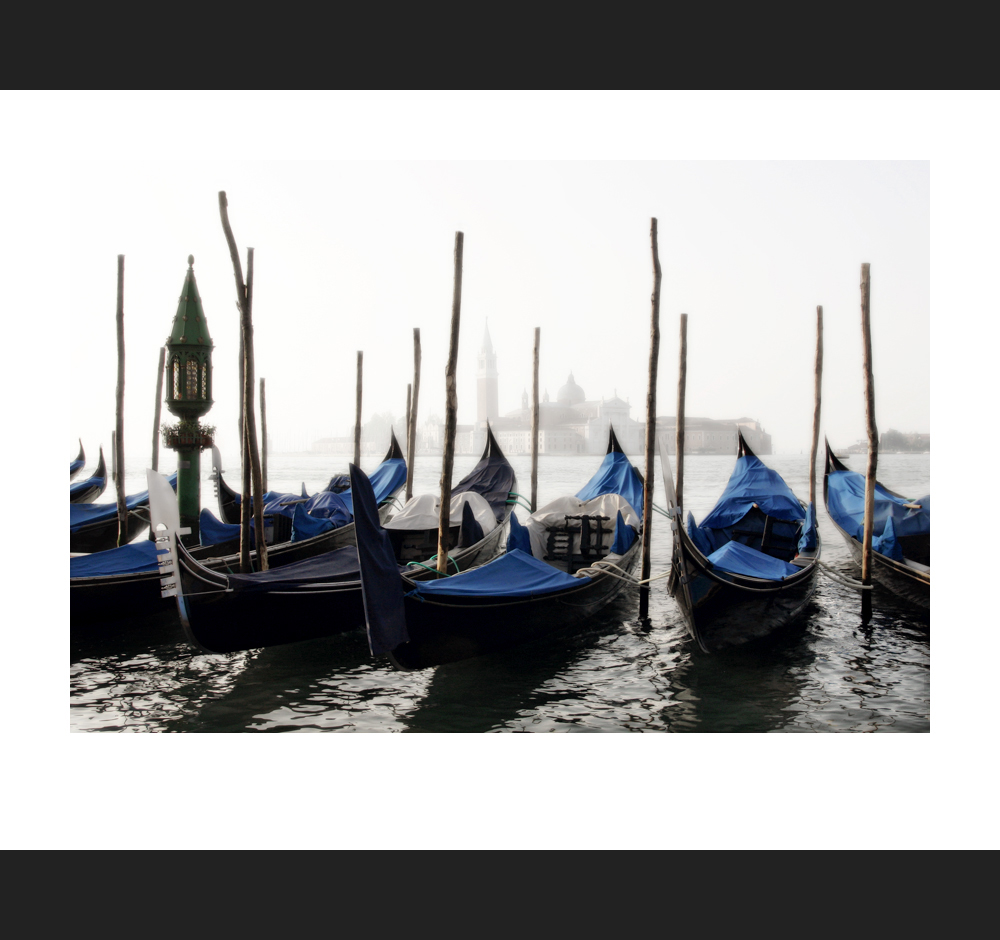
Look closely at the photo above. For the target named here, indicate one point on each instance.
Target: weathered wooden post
(244, 300)
(119, 446)
(866, 544)
(681, 384)
(411, 443)
(155, 464)
(451, 413)
(654, 356)
(534, 421)
(357, 417)
(406, 424)
(263, 439)
(816, 409)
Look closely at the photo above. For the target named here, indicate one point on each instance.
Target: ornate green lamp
(188, 364)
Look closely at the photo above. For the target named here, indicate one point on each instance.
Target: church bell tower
(487, 407)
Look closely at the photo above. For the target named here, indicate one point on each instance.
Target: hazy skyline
(353, 255)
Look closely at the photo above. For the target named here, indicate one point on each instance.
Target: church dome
(571, 393)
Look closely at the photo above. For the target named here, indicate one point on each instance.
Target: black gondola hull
(449, 629)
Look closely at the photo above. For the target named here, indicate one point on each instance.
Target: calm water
(826, 673)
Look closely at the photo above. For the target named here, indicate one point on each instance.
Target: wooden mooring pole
(120, 409)
(534, 421)
(357, 415)
(866, 544)
(451, 412)
(681, 385)
(816, 408)
(411, 432)
(263, 439)
(244, 300)
(406, 422)
(155, 464)
(654, 356)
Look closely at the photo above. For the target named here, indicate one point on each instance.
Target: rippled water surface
(828, 672)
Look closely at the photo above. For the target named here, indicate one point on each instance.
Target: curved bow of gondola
(75, 466)
(743, 448)
(86, 491)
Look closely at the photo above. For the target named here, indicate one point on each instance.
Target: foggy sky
(353, 255)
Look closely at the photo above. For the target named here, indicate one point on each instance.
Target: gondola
(901, 539)
(93, 527)
(572, 558)
(125, 582)
(224, 612)
(75, 466)
(750, 567)
(86, 491)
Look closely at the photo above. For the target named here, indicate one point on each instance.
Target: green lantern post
(189, 396)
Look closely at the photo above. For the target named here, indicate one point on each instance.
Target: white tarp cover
(422, 512)
(554, 514)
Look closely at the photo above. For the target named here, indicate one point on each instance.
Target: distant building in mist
(708, 436)
(895, 442)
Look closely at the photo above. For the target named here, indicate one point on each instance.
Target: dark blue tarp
(305, 526)
(625, 535)
(332, 506)
(886, 544)
(845, 502)
(517, 536)
(387, 478)
(75, 488)
(213, 531)
(339, 565)
(84, 514)
(513, 574)
(616, 475)
(741, 559)
(493, 478)
(471, 531)
(381, 584)
(808, 540)
(752, 482)
(137, 556)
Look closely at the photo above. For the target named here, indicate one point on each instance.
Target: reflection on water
(827, 672)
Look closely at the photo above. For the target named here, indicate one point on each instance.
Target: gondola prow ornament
(189, 396)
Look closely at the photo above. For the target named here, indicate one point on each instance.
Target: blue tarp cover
(808, 539)
(616, 475)
(740, 559)
(752, 482)
(387, 478)
(339, 565)
(845, 501)
(625, 535)
(333, 506)
(517, 536)
(305, 526)
(75, 488)
(213, 531)
(82, 514)
(493, 478)
(514, 574)
(137, 556)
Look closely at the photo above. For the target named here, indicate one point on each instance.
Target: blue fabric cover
(471, 531)
(327, 505)
(338, 484)
(137, 556)
(845, 501)
(702, 539)
(752, 482)
(616, 475)
(305, 526)
(339, 565)
(387, 478)
(886, 544)
(741, 559)
(625, 535)
(517, 536)
(84, 514)
(514, 574)
(381, 584)
(808, 539)
(213, 531)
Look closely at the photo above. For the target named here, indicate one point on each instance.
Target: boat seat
(579, 541)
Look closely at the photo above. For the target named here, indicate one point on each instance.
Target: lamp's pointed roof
(190, 326)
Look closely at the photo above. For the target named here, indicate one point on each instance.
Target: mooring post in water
(681, 383)
(357, 415)
(244, 300)
(120, 409)
(406, 422)
(654, 356)
(155, 464)
(411, 428)
(866, 544)
(263, 438)
(451, 413)
(534, 420)
(816, 409)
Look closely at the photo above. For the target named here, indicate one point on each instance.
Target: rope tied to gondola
(840, 579)
(605, 567)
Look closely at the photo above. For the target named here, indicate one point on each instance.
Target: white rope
(605, 568)
(840, 579)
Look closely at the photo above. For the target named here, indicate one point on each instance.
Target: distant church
(569, 425)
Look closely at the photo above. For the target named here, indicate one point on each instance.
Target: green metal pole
(189, 490)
